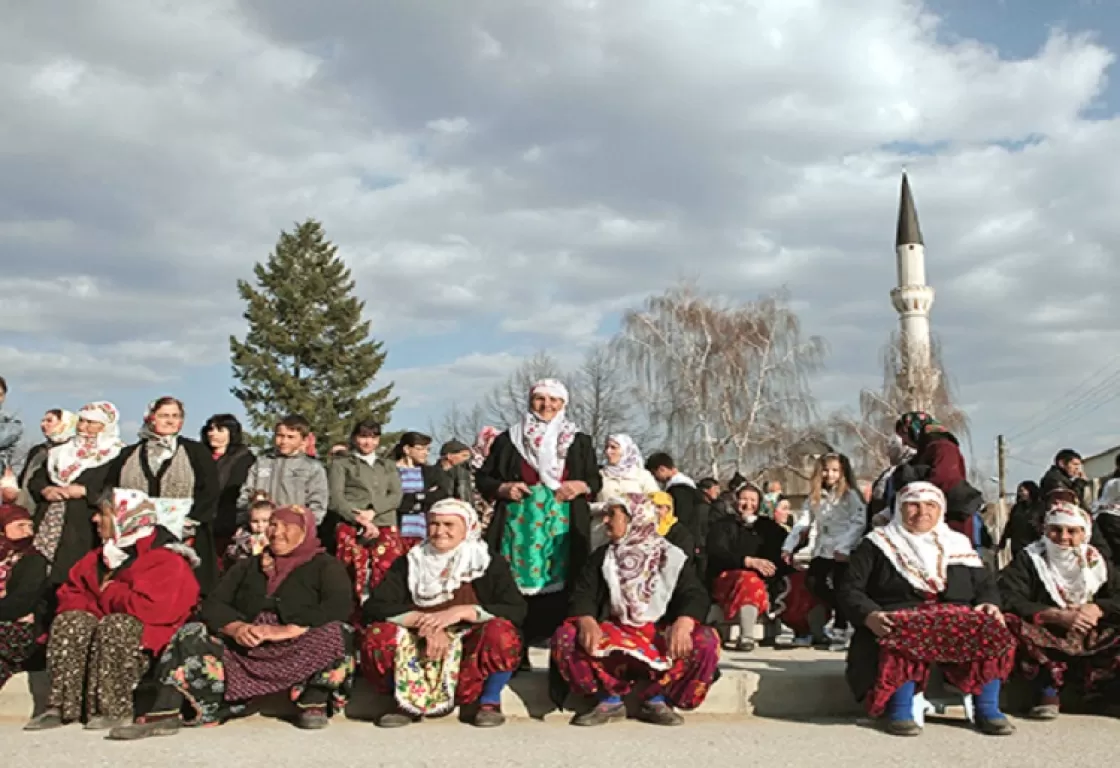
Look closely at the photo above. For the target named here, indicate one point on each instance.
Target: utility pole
(1001, 464)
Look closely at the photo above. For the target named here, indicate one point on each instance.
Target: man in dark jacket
(1068, 473)
(690, 504)
(452, 472)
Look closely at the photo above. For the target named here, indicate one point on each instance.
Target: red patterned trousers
(735, 589)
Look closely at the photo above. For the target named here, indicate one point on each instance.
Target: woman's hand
(513, 491)
(840, 557)
(449, 617)
(764, 567)
(75, 491)
(570, 489)
(787, 557)
(680, 637)
(54, 493)
(436, 645)
(990, 610)
(879, 623)
(590, 633)
(1062, 618)
(244, 634)
(363, 520)
(1086, 618)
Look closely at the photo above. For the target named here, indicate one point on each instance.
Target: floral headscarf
(641, 569)
(481, 448)
(134, 518)
(160, 448)
(70, 459)
(912, 426)
(629, 462)
(434, 576)
(544, 444)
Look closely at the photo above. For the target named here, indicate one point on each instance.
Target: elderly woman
(624, 470)
(542, 474)
(119, 608)
(919, 595)
(365, 495)
(1063, 603)
(636, 614)
(276, 622)
(23, 589)
(65, 489)
(443, 624)
(166, 465)
(479, 451)
(744, 559)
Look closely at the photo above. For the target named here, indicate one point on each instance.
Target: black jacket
(730, 542)
(78, 535)
(315, 594)
(233, 469)
(496, 591)
(1024, 594)
(28, 588)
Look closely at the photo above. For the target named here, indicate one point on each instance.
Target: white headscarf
(544, 444)
(160, 448)
(434, 576)
(642, 568)
(66, 429)
(630, 461)
(1071, 575)
(1109, 502)
(70, 459)
(923, 559)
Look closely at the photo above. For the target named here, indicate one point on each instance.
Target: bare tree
(602, 399)
(459, 423)
(865, 438)
(729, 383)
(505, 404)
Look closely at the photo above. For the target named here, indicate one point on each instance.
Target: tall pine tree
(307, 350)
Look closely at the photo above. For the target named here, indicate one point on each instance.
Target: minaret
(912, 300)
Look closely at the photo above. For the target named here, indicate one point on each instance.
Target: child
(250, 541)
(286, 473)
(834, 517)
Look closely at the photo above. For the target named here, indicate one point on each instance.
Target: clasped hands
(569, 489)
(432, 627)
(63, 492)
(679, 637)
(252, 635)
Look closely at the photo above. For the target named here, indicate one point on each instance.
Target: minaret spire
(909, 233)
(913, 299)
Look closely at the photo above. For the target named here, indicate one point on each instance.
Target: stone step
(786, 684)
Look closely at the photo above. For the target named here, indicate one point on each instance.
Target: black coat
(872, 584)
(1106, 536)
(205, 496)
(313, 595)
(1024, 594)
(503, 465)
(1024, 526)
(730, 542)
(693, 510)
(496, 591)
(28, 590)
(233, 469)
(1056, 478)
(78, 533)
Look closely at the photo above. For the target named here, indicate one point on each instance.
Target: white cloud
(537, 168)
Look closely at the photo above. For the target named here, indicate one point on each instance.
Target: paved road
(703, 742)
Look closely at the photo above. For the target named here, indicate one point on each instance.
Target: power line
(1078, 401)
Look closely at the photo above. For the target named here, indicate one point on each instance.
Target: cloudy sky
(505, 176)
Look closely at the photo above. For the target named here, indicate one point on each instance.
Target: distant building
(1100, 466)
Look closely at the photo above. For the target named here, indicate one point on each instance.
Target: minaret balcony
(912, 299)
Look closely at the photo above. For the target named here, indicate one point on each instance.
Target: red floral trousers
(367, 563)
(735, 589)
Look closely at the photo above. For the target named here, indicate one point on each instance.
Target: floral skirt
(392, 662)
(537, 541)
(367, 562)
(971, 648)
(685, 682)
(735, 589)
(218, 678)
(1094, 657)
(17, 644)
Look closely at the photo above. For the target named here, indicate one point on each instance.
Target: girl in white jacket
(833, 518)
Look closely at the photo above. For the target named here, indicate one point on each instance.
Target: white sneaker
(785, 637)
(805, 641)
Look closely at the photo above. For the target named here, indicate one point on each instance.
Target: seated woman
(744, 557)
(636, 614)
(668, 525)
(23, 589)
(1063, 603)
(275, 622)
(443, 623)
(119, 608)
(919, 595)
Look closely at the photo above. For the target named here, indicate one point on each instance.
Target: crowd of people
(217, 575)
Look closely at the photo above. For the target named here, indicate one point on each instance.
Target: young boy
(250, 541)
(286, 474)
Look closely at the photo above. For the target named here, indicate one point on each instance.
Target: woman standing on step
(443, 625)
(637, 614)
(276, 622)
(919, 595)
(1063, 603)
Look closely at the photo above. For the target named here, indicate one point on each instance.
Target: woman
(637, 613)
(65, 489)
(23, 589)
(541, 474)
(479, 451)
(58, 426)
(1063, 603)
(166, 465)
(416, 480)
(744, 561)
(365, 495)
(275, 622)
(919, 595)
(443, 624)
(1023, 526)
(223, 435)
(119, 608)
(624, 471)
(668, 525)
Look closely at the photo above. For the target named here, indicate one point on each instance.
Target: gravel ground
(773, 743)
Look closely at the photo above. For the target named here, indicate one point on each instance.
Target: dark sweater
(1024, 594)
(28, 587)
(495, 590)
(317, 593)
(730, 542)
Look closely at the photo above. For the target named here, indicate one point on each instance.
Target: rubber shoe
(601, 715)
(164, 726)
(660, 714)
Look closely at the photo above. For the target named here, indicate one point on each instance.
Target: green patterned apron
(537, 540)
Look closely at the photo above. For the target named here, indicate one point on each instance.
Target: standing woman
(222, 434)
(624, 471)
(65, 489)
(479, 451)
(166, 465)
(417, 481)
(58, 426)
(542, 474)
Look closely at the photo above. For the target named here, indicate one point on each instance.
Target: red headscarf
(12, 551)
(279, 567)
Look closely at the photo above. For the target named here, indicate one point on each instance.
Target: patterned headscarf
(641, 569)
(628, 462)
(912, 426)
(70, 459)
(433, 576)
(65, 430)
(160, 448)
(1071, 575)
(134, 518)
(544, 444)
(481, 448)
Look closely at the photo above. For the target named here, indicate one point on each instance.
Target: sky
(505, 177)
